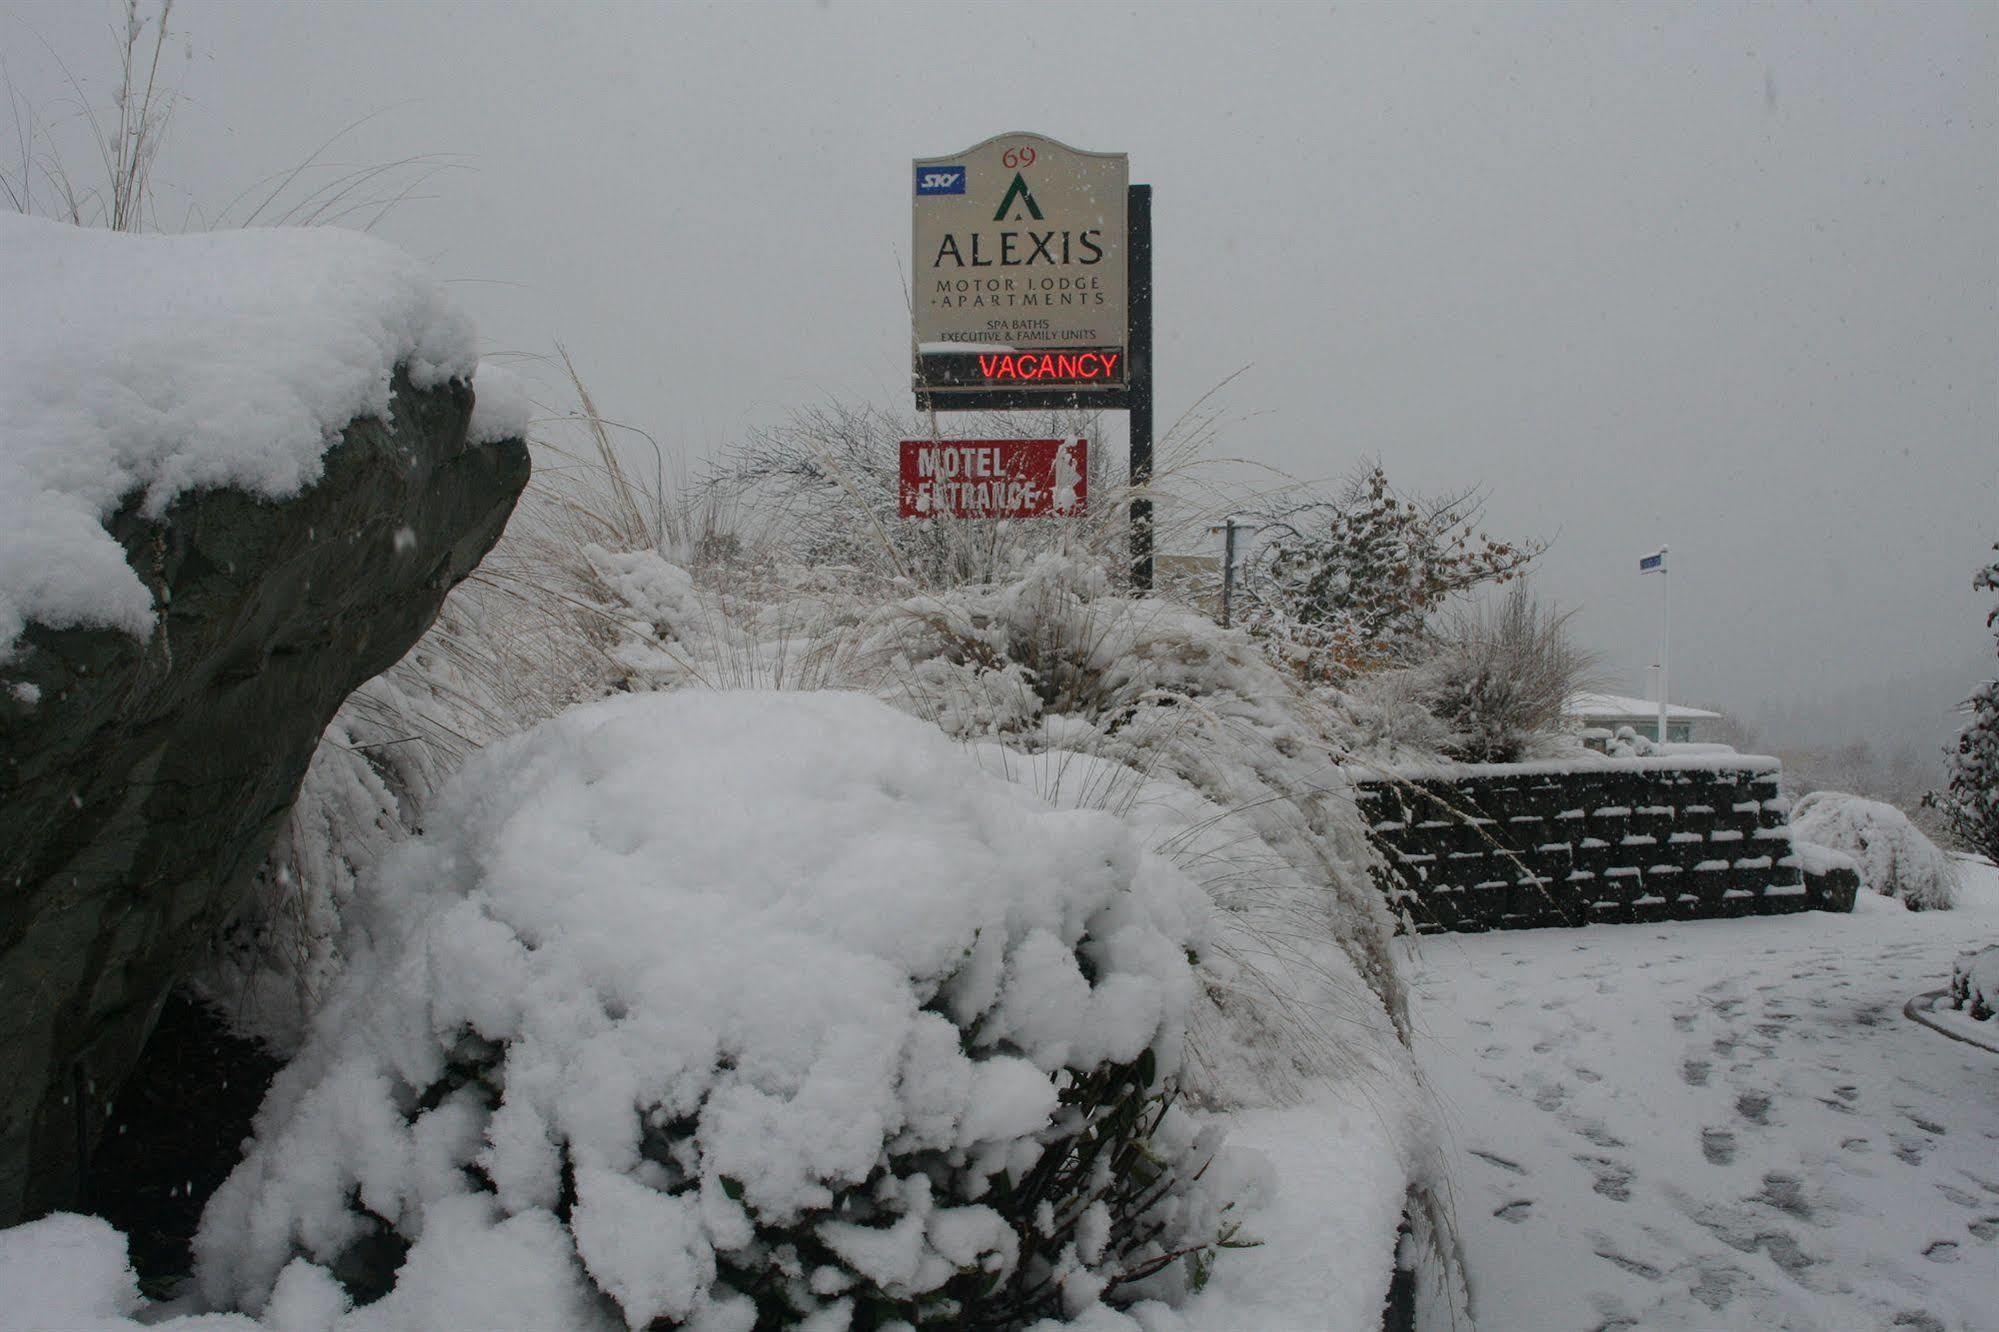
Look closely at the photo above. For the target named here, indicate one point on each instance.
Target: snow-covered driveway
(1720, 1123)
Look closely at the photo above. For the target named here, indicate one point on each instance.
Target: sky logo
(940, 180)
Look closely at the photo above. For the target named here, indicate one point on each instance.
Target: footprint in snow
(1754, 1107)
(1716, 1286)
(1746, 1233)
(1490, 1159)
(1631, 1265)
(1985, 1228)
(1786, 1193)
(1981, 1182)
(1718, 1146)
(1943, 1251)
(1595, 1132)
(1929, 1125)
(1694, 1072)
(1515, 1211)
(1610, 1178)
(1785, 1251)
(1959, 1196)
(1910, 1151)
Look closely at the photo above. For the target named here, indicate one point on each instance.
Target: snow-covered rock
(155, 365)
(720, 1003)
(1894, 857)
(236, 481)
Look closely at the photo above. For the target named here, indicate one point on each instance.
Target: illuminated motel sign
(1020, 269)
(1031, 289)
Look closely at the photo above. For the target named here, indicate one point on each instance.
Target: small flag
(1653, 563)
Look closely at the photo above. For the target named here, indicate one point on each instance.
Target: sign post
(1032, 290)
(1656, 563)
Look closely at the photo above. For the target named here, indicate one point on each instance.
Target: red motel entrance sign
(994, 478)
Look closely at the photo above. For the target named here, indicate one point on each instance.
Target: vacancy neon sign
(1020, 368)
(1090, 367)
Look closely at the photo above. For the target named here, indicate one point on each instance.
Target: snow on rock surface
(1894, 857)
(153, 365)
(695, 971)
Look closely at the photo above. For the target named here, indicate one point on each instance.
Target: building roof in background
(1617, 705)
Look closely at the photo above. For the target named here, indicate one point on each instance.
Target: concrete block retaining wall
(1507, 846)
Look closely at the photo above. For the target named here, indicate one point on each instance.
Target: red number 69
(1013, 158)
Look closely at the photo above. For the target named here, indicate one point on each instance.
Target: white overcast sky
(1717, 275)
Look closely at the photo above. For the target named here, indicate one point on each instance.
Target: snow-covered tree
(1971, 801)
(1345, 584)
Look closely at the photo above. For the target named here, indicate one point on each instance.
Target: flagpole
(1665, 634)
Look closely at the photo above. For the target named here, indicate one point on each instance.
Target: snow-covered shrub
(1347, 583)
(1974, 984)
(1498, 679)
(1894, 857)
(1391, 718)
(739, 1009)
(1160, 693)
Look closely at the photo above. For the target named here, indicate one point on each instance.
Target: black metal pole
(1138, 270)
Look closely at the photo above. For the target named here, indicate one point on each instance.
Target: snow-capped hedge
(1974, 984)
(739, 1005)
(1894, 857)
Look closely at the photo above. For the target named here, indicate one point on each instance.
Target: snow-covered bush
(1496, 681)
(1974, 984)
(1344, 584)
(1057, 662)
(1894, 857)
(740, 1009)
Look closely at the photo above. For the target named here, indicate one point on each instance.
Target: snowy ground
(1719, 1123)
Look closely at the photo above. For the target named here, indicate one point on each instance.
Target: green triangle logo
(1018, 190)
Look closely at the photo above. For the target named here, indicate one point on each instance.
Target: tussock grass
(93, 165)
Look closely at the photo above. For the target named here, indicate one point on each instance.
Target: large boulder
(142, 779)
